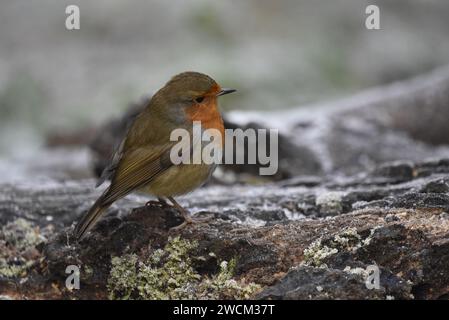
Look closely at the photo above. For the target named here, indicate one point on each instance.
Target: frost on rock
(330, 203)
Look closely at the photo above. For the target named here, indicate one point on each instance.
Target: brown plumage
(142, 162)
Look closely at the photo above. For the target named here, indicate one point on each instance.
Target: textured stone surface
(402, 227)
(363, 183)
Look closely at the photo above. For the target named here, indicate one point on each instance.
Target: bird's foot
(188, 220)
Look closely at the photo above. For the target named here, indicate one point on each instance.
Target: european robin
(142, 161)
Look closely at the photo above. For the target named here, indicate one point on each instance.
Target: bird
(142, 162)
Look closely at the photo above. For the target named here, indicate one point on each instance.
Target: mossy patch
(168, 274)
(18, 241)
(319, 250)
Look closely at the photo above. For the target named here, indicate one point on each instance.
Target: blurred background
(278, 54)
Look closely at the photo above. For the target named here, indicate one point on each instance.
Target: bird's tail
(90, 218)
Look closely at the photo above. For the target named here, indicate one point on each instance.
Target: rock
(306, 283)
(275, 235)
(403, 121)
(395, 172)
(437, 186)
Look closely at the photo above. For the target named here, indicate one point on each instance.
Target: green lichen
(17, 241)
(123, 277)
(88, 272)
(316, 252)
(11, 271)
(168, 274)
(368, 239)
(319, 250)
(223, 286)
(348, 240)
(359, 271)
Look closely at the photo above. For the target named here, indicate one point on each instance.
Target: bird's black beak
(225, 91)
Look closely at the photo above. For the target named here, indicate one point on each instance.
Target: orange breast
(207, 113)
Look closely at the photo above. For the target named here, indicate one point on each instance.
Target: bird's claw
(188, 220)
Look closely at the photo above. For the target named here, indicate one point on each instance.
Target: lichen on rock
(319, 250)
(168, 273)
(18, 241)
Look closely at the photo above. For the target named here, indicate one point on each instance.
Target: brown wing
(138, 160)
(136, 169)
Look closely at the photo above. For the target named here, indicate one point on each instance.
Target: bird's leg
(185, 214)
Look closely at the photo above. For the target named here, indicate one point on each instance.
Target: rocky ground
(365, 188)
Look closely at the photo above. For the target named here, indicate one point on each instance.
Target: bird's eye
(199, 99)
